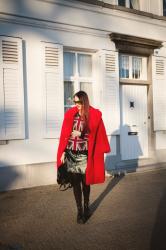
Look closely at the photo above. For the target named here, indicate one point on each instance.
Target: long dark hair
(83, 97)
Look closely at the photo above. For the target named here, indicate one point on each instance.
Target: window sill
(133, 81)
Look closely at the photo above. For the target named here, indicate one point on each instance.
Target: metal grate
(51, 57)
(9, 51)
(110, 63)
(160, 67)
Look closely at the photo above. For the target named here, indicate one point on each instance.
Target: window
(77, 76)
(133, 67)
(122, 3)
(164, 7)
(133, 4)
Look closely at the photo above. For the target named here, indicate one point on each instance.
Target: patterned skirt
(76, 161)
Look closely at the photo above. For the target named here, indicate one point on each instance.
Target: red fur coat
(97, 145)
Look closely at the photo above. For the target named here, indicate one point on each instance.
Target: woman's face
(78, 103)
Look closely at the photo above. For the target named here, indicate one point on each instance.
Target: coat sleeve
(102, 142)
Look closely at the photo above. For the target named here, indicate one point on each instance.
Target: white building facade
(49, 49)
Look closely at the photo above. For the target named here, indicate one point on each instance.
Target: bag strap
(65, 186)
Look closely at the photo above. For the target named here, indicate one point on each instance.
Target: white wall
(35, 148)
(160, 140)
(111, 1)
(91, 31)
(156, 7)
(81, 16)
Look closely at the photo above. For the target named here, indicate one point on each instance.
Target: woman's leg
(76, 182)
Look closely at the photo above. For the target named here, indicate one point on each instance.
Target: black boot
(86, 192)
(80, 216)
(76, 182)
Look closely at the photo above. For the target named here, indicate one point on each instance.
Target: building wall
(34, 148)
(59, 13)
(71, 24)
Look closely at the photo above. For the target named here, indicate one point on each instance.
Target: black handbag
(63, 176)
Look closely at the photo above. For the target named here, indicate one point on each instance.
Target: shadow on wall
(8, 176)
(25, 90)
(40, 10)
(159, 230)
(128, 151)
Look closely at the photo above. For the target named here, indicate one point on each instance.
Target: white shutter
(110, 96)
(54, 89)
(159, 92)
(11, 89)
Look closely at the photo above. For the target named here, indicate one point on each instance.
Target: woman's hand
(75, 133)
(63, 158)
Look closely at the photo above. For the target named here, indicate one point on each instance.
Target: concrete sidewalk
(129, 213)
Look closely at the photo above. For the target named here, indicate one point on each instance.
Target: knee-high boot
(78, 198)
(86, 193)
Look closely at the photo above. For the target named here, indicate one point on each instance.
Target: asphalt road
(128, 213)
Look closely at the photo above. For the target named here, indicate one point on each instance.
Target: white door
(134, 127)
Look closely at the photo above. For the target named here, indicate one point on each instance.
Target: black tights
(79, 187)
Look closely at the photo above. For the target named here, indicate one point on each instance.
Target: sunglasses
(77, 102)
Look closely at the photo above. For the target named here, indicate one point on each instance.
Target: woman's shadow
(159, 230)
(111, 184)
(118, 173)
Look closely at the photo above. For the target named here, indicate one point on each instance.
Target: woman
(83, 142)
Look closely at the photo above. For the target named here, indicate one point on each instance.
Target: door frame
(148, 118)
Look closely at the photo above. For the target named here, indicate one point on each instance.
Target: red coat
(97, 145)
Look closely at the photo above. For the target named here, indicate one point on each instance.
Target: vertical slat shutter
(159, 92)
(110, 98)
(11, 88)
(54, 89)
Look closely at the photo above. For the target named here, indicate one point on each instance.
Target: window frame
(143, 73)
(76, 79)
(164, 7)
(127, 4)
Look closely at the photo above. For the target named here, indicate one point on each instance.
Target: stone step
(140, 165)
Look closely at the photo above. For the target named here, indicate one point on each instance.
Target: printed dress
(77, 148)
